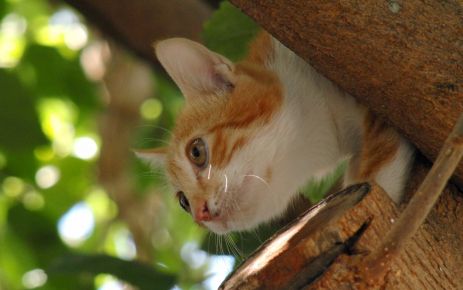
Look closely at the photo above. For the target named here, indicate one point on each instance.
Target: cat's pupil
(196, 153)
(184, 203)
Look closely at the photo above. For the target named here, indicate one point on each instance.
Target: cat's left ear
(155, 157)
(194, 68)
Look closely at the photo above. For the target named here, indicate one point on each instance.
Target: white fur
(392, 176)
(318, 127)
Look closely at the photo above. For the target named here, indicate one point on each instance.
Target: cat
(252, 133)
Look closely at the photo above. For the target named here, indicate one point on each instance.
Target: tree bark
(402, 59)
(137, 24)
(322, 249)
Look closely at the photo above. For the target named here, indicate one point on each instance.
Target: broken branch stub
(323, 248)
(301, 251)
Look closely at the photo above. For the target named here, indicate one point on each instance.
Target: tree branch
(400, 58)
(377, 264)
(138, 23)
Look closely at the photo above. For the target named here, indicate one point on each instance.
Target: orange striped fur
(379, 145)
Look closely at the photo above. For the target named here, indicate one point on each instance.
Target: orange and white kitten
(253, 133)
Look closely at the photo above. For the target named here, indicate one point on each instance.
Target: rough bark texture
(139, 23)
(323, 247)
(403, 59)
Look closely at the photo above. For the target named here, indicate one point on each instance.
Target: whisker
(157, 127)
(227, 245)
(256, 234)
(148, 139)
(216, 243)
(234, 248)
(209, 234)
(226, 183)
(221, 245)
(209, 172)
(259, 178)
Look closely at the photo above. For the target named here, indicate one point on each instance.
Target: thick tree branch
(138, 23)
(403, 59)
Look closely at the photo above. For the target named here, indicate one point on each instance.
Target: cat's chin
(222, 228)
(217, 228)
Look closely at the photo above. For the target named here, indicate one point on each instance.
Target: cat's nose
(202, 213)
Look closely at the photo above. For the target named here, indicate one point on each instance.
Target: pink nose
(202, 213)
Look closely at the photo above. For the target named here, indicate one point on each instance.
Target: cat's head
(221, 157)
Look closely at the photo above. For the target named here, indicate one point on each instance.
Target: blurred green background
(76, 208)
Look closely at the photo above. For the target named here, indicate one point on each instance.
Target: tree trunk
(402, 59)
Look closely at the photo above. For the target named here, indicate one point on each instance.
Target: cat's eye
(197, 152)
(183, 201)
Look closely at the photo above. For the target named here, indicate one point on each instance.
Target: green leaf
(2, 8)
(135, 273)
(315, 190)
(56, 76)
(19, 123)
(37, 231)
(229, 31)
(75, 182)
(16, 258)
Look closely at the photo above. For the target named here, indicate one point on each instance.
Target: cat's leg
(392, 177)
(384, 157)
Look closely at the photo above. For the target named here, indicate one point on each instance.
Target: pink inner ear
(195, 69)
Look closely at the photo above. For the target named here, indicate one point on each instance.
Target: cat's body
(253, 133)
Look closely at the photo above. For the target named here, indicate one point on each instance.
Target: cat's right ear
(155, 157)
(194, 68)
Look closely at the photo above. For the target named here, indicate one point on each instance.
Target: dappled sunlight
(76, 225)
(63, 29)
(151, 109)
(13, 186)
(124, 245)
(44, 153)
(108, 282)
(47, 176)
(33, 200)
(102, 206)
(219, 267)
(192, 255)
(34, 279)
(53, 199)
(57, 121)
(85, 148)
(12, 39)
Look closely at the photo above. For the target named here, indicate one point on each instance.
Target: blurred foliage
(229, 31)
(58, 227)
(138, 274)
